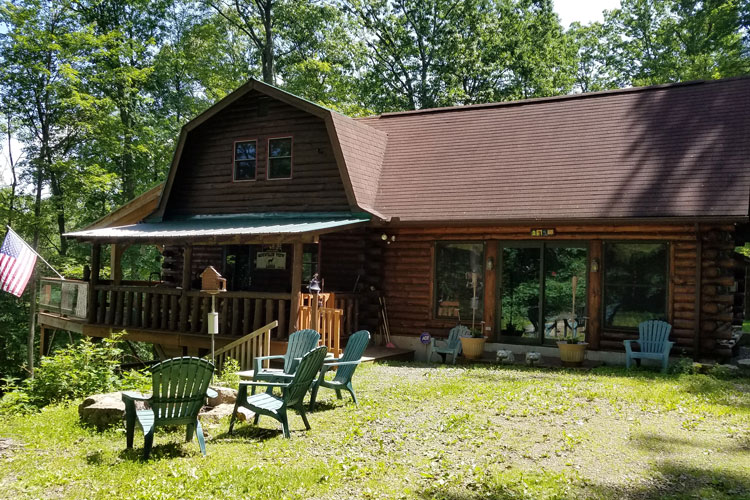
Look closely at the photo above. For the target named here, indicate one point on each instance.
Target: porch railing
(64, 297)
(244, 350)
(162, 308)
(139, 306)
(320, 316)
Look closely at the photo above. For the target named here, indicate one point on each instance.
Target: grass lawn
(423, 432)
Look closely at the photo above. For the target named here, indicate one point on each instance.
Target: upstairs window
(635, 283)
(245, 160)
(279, 158)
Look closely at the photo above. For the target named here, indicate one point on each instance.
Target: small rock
(102, 410)
(505, 357)
(217, 412)
(243, 414)
(226, 396)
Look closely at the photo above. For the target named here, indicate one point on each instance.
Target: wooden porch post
(187, 266)
(296, 286)
(593, 326)
(490, 288)
(116, 251)
(93, 281)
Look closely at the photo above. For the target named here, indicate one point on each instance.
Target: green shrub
(136, 380)
(228, 377)
(684, 366)
(76, 371)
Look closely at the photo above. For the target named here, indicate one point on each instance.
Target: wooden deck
(380, 353)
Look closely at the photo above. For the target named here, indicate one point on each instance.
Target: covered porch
(171, 311)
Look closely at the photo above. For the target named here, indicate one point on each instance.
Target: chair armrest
(134, 396)
(265, 384)
(628, 348)
(342, 363)
(258, 359)
(275, 356)
(668, 347)
(211, 393)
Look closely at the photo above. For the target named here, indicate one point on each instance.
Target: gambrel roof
(677, 151)
(680, 150)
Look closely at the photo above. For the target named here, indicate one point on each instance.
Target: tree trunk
(267, 53)
(57, 196)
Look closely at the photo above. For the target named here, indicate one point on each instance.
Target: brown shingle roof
(363, 148)
(669, 151)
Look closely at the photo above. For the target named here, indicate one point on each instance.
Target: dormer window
(245, 160)
(279, 158)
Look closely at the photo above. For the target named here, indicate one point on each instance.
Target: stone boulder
(216, 413)
(226, 396)
(102, 410)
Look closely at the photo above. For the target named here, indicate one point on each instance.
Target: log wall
(204, 182)
(408, 278)
(344, 256)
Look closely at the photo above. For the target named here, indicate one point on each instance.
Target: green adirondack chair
(180, 387)
(300, 343)
(292, 393)
(346, 365)
(653, 341)
(452, 346)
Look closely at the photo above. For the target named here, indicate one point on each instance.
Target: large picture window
(280, 158)
(459, 273)
(635, 283)
(244, 160)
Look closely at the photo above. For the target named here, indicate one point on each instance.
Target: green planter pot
(472, 347)
(572, 354)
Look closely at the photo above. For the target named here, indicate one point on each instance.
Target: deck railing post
(94, 280)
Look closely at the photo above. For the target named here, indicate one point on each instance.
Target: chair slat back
(179, 387)
(308, 367)
(355, 348)
(653, 334)
(454, 336)
(300, 343)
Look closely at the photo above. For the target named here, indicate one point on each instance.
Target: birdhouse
(211, 281)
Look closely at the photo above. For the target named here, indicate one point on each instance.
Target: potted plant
(473, 346)
(572, 349)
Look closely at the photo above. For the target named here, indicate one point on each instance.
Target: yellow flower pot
(572, 354)
(472, 347)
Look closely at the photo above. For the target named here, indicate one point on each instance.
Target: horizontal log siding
(203, 256)
(204, 180)
(717, 291)
(408, 274)
(343, 256)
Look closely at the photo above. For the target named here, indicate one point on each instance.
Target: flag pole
(36, 253)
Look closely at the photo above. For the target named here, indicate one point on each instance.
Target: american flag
(17, 261)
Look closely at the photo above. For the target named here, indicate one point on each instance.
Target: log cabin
(606, 208)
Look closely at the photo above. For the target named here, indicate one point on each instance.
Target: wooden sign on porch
(541, 233)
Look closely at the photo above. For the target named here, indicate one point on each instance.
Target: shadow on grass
(244, 431)
(669, 481)
(327, 405)
(673, 480)
(166, 450)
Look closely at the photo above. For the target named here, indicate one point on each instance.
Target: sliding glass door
(542, 290)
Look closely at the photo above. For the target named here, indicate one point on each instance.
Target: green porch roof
(291, 226)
